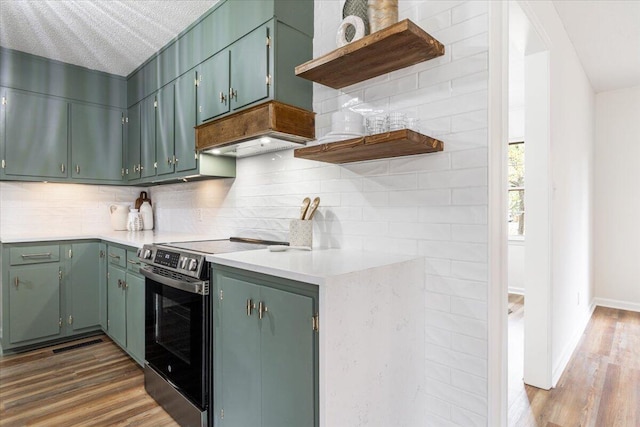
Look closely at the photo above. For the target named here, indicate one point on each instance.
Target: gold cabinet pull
(250, 307)
(119, 283)
(17, 282)
(62, 168)
(223, 99)
(262, 309)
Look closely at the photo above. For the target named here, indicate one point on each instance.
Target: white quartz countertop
(308, 266)
(128, 238)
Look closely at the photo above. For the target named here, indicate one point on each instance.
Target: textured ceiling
(606, 36)
(107, 35)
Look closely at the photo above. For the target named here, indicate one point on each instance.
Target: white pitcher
(119, 213)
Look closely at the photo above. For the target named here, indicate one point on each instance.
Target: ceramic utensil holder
(301, 232)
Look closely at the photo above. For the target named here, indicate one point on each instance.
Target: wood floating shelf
(397, 46)
(404, 142)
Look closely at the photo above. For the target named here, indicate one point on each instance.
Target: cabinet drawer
(117, 256)
(133, 264)
(35, 254)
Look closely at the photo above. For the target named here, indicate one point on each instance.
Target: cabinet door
(250, 68)
(116, 308)
(213, 87)
(148, 137)
(288, 348)
(96, 143)
(185, 134)
(165, 130)
(34, 302)
(237, 354)
(83, 296)
(135, 316)
(133, 142)
(35, 136)
(102, 284)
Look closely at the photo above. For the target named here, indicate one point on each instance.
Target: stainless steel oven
(177, 334)
(178, 353)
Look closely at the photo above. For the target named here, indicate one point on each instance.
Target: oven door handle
(200, 288)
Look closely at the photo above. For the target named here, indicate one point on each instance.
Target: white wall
(516, 266)
(571, 153)
(431, 205)
(617, 199)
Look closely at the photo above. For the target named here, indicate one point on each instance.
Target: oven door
(176, 337)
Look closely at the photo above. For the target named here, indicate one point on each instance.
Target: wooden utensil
(312, 209)
(304, 207)
(140, 200)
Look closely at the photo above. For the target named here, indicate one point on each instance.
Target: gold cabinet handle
(78, 169)
(223, 99)
(62, 168)
(250, 307)
(262, 309)
(70, 321)
(29, 256)
(134, 262)
(114, 256)
(120, 283)
(233, 94)
(17, 282)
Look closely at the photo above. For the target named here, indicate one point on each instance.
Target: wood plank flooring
(599, 388)
(97, 385)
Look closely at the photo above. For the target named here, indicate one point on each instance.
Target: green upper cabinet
(185, 121)
(250, 78)
(213, 87)
(148, 137)
(36, 133)
(165, 130)
(83, 290)
(96, 143)
(132, 165)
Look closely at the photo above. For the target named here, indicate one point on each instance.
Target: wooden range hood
(238, 134)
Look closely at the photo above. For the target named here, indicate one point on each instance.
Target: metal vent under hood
(267, 127)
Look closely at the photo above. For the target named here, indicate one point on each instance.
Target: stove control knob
(193, 265)
(183, 263)
(146, 254)
(139, 253)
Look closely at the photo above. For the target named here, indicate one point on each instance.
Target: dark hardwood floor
(96, 385)
(599, 388)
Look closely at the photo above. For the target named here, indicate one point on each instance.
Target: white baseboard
(517, 291)
(571, 346)
(620, 305)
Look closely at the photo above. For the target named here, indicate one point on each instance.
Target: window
(516, 189)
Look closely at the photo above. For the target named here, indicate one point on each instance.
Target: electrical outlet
(199, 214)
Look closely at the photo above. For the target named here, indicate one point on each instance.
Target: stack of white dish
(344, 125)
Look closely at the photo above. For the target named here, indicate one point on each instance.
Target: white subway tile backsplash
(469, 233)
(467, 47)
(472, 402)
(390, 182)
(469, 121)
(467, 10)
(469, 345)
(463, 417)
(455, 178)
(395, 86)
(457, 287)
(453, 70)
(432, 197)
(438, 407)
(427, 9)
(476, 252)
(469, 196)
(462, 30)
(438, 302)
(420, 96)
(454, 105)
(469, 270)
(438, 371)
(469, 307)
(453, 214)
(421, 230)
(473, 83)
(457, 361)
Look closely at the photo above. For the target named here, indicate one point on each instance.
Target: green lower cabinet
(116, 306)
(265, 351)
(135, 316)
(83, 287)
(34, 303)
(125, 302)
(102, 284)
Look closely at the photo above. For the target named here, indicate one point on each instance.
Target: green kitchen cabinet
(102, 284)
(265, 351)
(185, 121)
(133, 121)
(125, 289)
(250, 78)
(31, 294)
(82, 286)
(213, 87)
(148, 137)
(165, 130)
(116, 305)
(34, 303)
(35, 135)
(96, 143)
(235, 77)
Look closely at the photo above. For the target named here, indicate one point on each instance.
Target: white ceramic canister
(134, 221)
(147, 215)
(119, 214)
